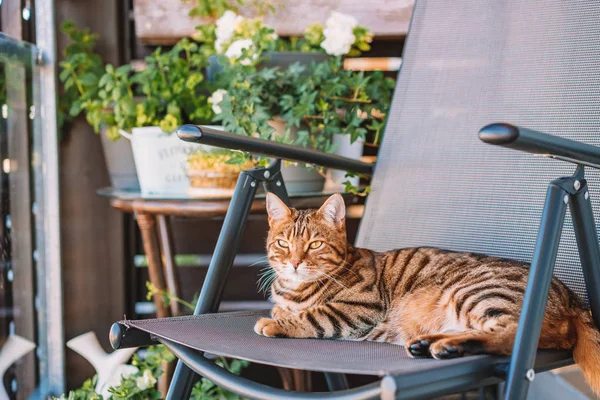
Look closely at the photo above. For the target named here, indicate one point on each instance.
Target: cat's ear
(334, 210)
(276, 208)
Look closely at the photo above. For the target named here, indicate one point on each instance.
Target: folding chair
(438, 183)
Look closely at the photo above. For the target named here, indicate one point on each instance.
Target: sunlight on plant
(166, 296)
(141, 385)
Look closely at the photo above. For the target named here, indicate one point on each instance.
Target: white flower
(337, 43)
(226, 26)
(219, 45)
(120, 373)
(216, 98)
(235, 50)
(339, 34)
(337, 20)
(146, 381)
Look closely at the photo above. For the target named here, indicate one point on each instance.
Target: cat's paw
(445, 349)
(418, 347)
(269, 327)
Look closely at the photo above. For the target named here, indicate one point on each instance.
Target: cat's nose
(295, 263)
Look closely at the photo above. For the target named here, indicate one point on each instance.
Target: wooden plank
(166, 21)
(91, 231)
(12, 23)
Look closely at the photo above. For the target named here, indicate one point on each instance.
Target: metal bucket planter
(280, 59)
(160, 160)
(335, 178)
(120, 164)
(298, 178)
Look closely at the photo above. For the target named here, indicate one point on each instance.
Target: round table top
(185, 205)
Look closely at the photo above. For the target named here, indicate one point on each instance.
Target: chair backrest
(467, 64)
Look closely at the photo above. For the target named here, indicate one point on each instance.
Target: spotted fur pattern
(435, 302)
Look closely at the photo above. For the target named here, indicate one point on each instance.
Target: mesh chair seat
(232, 335)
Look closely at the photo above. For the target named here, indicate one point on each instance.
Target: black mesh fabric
(232, 335)
(466, 64)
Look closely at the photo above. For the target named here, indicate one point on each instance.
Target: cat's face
(306, 245)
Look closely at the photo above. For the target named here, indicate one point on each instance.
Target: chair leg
(488, 393)
(587, 244)
(218, 271)
(536, 294)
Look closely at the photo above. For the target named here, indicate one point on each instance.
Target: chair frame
(518, 373)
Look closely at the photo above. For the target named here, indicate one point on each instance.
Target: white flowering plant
(139, 383)
(319, 101)
(236, 39)
(243, 40)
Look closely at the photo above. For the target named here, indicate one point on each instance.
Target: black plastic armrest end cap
(189, 133)
(500, 134)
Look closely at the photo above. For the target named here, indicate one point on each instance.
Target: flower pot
(120, 164)
(160, 160)
(280, 59)
(300, 179)
(297, 178)
(335, 178)
(284, 59)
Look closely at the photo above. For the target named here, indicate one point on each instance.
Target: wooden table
(153, 214)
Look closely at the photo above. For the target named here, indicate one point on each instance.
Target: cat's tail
(587, 350)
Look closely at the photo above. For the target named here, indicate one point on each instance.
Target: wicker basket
(210, 170)
(213, 179)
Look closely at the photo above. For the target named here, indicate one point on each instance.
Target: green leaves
(319, 101)
(170, 90)
(206, 390)
(213, 8)
(80, 72)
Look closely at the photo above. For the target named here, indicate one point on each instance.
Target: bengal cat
(435, 302)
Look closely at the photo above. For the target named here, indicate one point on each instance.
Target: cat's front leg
(279, 313)
(332, 321)
(284, 324)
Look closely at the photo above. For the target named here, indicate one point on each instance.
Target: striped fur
(435, 302)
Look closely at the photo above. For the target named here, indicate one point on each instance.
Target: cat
(434, 302)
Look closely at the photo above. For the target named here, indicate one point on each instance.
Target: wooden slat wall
(165, 21)
(92, 232)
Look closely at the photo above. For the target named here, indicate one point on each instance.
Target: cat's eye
(316, 244)
(282, 243)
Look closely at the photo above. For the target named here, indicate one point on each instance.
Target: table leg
(287, 379)
(302, 380)
(147, 224)
(165, 237)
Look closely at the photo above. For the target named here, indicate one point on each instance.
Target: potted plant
(316, 105)
(80, 72)
(139, 379)
(146, 105)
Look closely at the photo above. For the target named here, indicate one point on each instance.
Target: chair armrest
(217, 138)
(534, 142)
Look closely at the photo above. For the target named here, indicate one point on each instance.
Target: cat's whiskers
(259, 261)
(348, 269)
(265, 279)
(333, 279)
